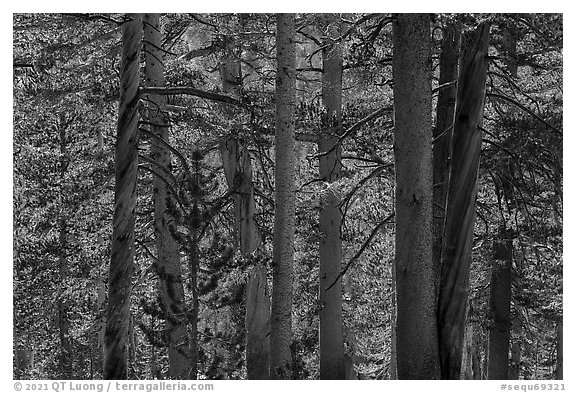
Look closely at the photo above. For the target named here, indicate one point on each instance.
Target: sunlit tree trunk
(461, 201)
(126, 163)
(500, 295)
(168, 265)
(284, 217)
(417, 350)
(330, 249)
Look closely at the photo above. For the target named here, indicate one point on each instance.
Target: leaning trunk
(417, 350)
(442, 134)
(330, 249)
(126, 164)
(284, 215)
(168, 254)
(461, 202)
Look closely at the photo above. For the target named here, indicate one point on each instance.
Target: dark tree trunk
(168, 265)
(442, 134)
(257, 325)
(126, 164)
(416, 332)
(284, 217)
(461, 201)
(559, 350)
(500, 295)
(330, 248)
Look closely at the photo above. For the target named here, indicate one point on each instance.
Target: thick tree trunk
(284, 217)
(257, 325)
(461, 202)
(442, 134)
(126, 164)
(500, 295)
(330, 248)
(168, 265)
(417, 350)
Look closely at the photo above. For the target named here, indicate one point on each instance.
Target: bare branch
(525, 109)
(193, 92)
(361, 249)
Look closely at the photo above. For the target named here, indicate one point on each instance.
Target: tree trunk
(515, 348)
(559, 350)
(461, 202)
(417, 351)
(168, 265)
(126, 164)
(236, 160)
(284, 217)
(393, 324)
(500, 295)
(238, 171)
(442, 134)
(257, 325)
(64, 325)
(330, 248)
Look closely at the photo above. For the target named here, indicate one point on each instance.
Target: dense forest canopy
(287, 196)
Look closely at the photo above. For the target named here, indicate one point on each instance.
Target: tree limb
(193, 92)
(361, 249)
(525, 109)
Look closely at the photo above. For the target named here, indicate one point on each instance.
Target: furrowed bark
(168, 266)
(126, 163)
(284, 217)
(416, 332)
(461, 201)
(330, 248)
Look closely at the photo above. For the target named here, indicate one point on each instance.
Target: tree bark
(500, 295)
(461, 202)
(168, 265)
(559, 350)
(64, 324)
(257, 325)
(126, 164)
(330, 248)
(515, 348)
(445, 109)
(417, 350)
(284, 217)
